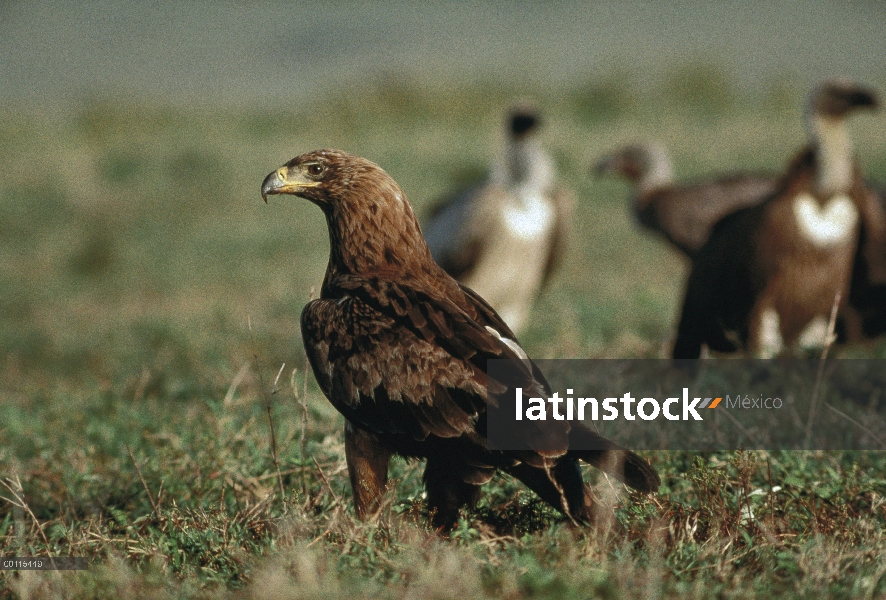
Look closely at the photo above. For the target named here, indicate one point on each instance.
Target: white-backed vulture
(683, 214)
(768, 275)
(504, 237)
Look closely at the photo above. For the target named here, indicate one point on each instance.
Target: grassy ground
(148, 329)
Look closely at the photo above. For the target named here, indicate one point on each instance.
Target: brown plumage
(768, 275)
(505, 236)
(400, 349)
(866, 312)
(683, 213)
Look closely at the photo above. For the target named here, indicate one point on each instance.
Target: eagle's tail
(612, 459)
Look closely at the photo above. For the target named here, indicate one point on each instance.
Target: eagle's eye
(315, 169)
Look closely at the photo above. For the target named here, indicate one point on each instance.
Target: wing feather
(455, 233)
(686, 215)
(401, 372)
(564, 203)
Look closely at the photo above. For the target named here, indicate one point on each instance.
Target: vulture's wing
(564, 203)
(686, 215)
(454, 232)
(873, 233)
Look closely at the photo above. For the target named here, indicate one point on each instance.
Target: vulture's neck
(525, 168)
(657, 174)
(834, 155)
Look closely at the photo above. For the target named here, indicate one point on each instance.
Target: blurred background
(272, 53)
(135, 251)
(149, 299)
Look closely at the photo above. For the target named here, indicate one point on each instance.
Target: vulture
(504, 237)
(683, 214)
(768, 275)
(400, 349)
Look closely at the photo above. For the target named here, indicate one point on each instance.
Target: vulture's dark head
(523, 120)
(836, 98)
(371, 223)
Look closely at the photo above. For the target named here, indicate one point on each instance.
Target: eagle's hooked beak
(274, 183)
(284, 181)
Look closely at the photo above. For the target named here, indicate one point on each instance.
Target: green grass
(148, 299)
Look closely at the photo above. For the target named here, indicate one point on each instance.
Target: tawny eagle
(400, 349)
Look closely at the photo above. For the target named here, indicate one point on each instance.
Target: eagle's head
(371, 223)
(331, 177)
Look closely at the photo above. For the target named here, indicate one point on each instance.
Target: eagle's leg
(561, 486)
(368, 469)
(447, 493)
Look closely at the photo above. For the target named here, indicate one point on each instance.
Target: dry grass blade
(564, 504)
(267, 398)
(15, 488)
(829, 341)
(304, 394)
(274, 439)
(861, 426)
(326, 481)
(144, 483)
(238, 379)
